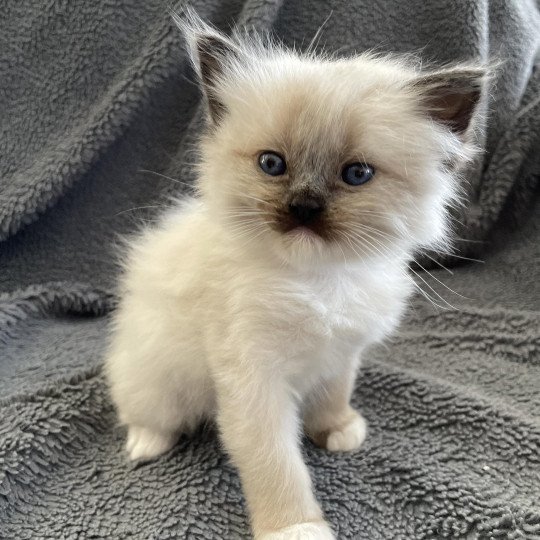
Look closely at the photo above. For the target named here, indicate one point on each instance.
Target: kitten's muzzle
(305, 211)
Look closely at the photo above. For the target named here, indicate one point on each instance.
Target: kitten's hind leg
(144, 444)
(158, 396)
(329, 419)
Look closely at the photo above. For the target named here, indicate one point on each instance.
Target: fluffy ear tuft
(451, 96)
(213, 53)
(210, 53)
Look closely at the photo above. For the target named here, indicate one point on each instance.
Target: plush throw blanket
(98, 117)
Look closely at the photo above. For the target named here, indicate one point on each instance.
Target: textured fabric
(93, 95)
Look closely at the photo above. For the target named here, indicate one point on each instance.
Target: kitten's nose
(305, 211)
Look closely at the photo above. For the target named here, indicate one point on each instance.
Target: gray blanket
(98, 117)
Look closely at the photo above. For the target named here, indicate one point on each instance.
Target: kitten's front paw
(301, 531)
(349, 436)
(144, 444)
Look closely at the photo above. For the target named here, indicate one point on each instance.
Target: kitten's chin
(302, 234)
(301, 247)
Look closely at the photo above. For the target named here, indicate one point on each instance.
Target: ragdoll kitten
(252, 303)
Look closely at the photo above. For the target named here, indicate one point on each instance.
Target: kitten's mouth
(299, 231)
(302, 232)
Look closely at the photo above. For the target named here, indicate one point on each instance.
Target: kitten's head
(318, 159)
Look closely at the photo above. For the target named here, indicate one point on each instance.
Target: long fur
(226, 316)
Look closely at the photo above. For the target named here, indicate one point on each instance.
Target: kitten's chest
(310, 316)
(331, 312)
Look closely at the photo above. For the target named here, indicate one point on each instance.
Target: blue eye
(357, 174)
(272, 164)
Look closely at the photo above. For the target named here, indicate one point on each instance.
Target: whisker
(415, 273)
(168, 178)
(247, 196)
(433, 290)
(416, 285)
(315, 40)
(380, 233)
(247, 211)
(364, 240)
(427, 296)
(343, 253)
(139, 208)
(393, 237)
(380, 215)
(351, 245)
(437, 262)
(450, 254)
(468, 240)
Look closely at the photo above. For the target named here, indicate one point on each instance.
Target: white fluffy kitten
(251, 304)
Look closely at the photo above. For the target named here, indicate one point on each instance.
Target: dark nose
(305, 211)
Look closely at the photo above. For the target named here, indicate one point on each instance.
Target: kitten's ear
(451, 96)
(211, 52)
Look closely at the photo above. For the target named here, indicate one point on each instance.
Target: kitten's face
(326, 161)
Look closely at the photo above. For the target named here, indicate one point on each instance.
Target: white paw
(145, 444)
(349, 437)
(301, 531)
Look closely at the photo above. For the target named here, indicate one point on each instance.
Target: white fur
(143, 443)
(349, 437)
(302, 531)
(204, 324)
(260, 330)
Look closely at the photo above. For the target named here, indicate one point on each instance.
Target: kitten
(251, 304)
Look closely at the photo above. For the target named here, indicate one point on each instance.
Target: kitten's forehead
(309, 108)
